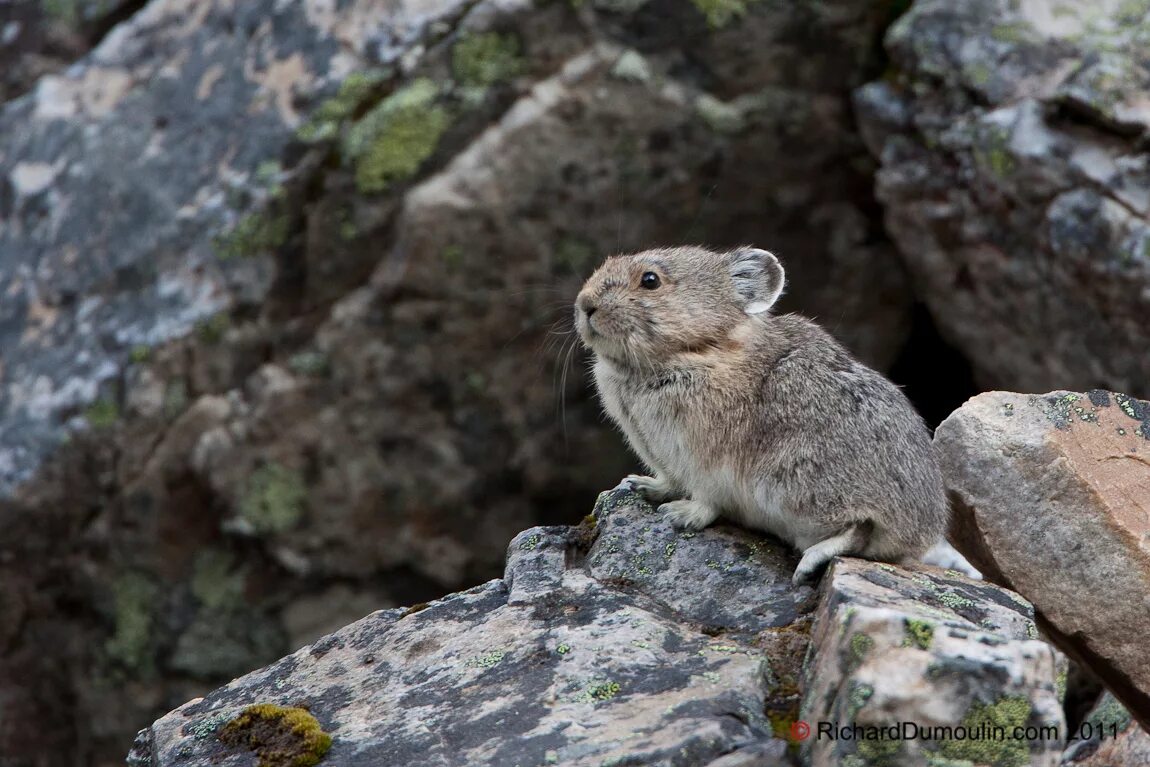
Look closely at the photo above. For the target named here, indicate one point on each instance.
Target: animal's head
(640, 309)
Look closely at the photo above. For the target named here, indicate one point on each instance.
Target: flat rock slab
(928, 649)
(1051, 498)
(564, 661)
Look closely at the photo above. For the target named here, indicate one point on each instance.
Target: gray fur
(763, 419)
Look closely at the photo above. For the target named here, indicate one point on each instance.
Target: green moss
(563, 649)
(721, 12)
(918, 634)
(393, 140)
(1060, 685)
(354, 92)
(102, 413)
(481, 60)
(1008, 712)
(280, 736)
(140, 353)
(130, 645)
(530, 542)
(275, 499)
(256, 233)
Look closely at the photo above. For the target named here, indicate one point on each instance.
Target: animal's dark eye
(649, 280)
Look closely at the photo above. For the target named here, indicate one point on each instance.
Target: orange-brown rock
(1051, 497)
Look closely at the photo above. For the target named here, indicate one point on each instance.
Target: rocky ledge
(623, 641)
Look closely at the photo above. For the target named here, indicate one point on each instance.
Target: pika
(759, 418)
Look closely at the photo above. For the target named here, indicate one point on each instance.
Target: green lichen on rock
(1008, 712)
(721, 12)
(860, 645)
(274, 500)
(354, 92)
(392, 141)
(211, 330)
(918, 634)
(482, 60)
(280, 736)
(130, 645)
(1109, 715)
(857, 698)
(140, 353)
(309, 363)
(256, 233)
(600, 691)
(488, 660)
(215, 582)
(878, 753)
(102, 413)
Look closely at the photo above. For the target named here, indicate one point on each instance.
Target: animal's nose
(587, 306)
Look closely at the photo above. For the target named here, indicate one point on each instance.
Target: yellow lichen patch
(280, 736)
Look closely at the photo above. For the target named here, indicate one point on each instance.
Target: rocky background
(284, 287)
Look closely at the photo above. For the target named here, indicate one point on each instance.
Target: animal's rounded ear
(758, 278)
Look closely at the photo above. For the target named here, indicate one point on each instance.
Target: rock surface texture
(933, 649)
(1014, 179)
(283, 293)
(622, 641)
(1051, 498)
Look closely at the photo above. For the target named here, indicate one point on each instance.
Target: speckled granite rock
(623, 641)
(279, 283)
(579, 656)
(931, 648)
(1108, 737)
(1011, 137)
(1051, 498)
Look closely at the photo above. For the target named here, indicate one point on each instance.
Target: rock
(1051, 498)
(280, 282)
(623, 639)
(934, 649)
(578, 656)
(38, 37)
(1108, 737)
(1013, 179)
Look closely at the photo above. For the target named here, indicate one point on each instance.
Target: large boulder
(1013, 177)
(1051, 498)
(285, 288)
(624, 641)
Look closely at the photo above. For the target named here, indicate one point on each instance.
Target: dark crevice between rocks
(935, 375)
(119, 14)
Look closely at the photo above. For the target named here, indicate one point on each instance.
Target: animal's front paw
(689, 515)
(653, 489)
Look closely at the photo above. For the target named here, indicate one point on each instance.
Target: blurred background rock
(285, 287)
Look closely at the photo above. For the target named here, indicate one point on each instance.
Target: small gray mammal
(764, 419)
